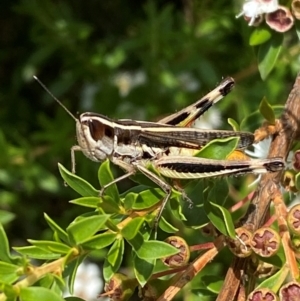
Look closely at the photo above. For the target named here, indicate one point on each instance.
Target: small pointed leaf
(73, 271)
(267, 111)
(81, 230)
(259, 36)
(235, 126)
(113, 259)
(166, 226)
(148, 198)
(34, 293)
(51, 246)
(90, 201)
(37, 253)
(143, 269)
(99, 241)
(268, 54)
(218, 148)
(220, 217)
(297, 180)
(132, 228)
(275, 281)
(56, 228)
(105, 177)
(155, 249)
(4, 248)
(78, 184)
(8, 272)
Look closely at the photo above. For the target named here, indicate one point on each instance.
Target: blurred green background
(123, 59)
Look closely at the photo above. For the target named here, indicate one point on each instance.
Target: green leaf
(220, 217)
(175, 205)
(166, 226)
(268, 54)
(56, 229)
(275, 281)
(47, 281)
(135, 241)
(105, 177)
(155, 249)
(297, 25)
(106, 203)
(90, 202)
(254, 120)
(9, 273)
(198, 193)
(37, 253)
(83, 229)
(267, 111)
(235, 126)
(219, 191)
(76, 183)
(297, 180)
(4, 248)
(131, 196)
(213, 282)
(219, 148)
(143, 269)
(113, 259)
(35, 293)
(99, 241)
(6, 217)
(259, 36)
(147, 198)
(52, 246)
(72, 271)
(74, 299)
(132, 228)
(109, 205)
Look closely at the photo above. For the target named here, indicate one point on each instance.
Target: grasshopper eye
(98, 130)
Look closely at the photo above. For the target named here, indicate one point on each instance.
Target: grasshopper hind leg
(167, 188)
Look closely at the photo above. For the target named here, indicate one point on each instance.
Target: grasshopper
(168, 145)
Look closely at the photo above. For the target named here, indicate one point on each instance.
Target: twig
(288, 130)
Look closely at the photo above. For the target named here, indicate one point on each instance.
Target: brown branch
(288, 130)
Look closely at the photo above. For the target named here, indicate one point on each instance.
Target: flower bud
(120, 287)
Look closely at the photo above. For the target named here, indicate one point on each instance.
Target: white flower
(126, 81)
(260, 150)
(210, 120)
(88, 282)
(252, 9)
(188, 82)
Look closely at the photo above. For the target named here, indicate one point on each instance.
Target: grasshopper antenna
(56, 99)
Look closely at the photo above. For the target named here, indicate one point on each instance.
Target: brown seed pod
(296, 9)
(180, 259)
(262, 294)
(290, 291)
(280, 20)
(241, 246)
(293, 220)
(265, 242)
(120, 287)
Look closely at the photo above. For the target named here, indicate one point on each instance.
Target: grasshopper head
(95, 136)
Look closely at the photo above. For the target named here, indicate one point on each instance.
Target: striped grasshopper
(168, 145)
